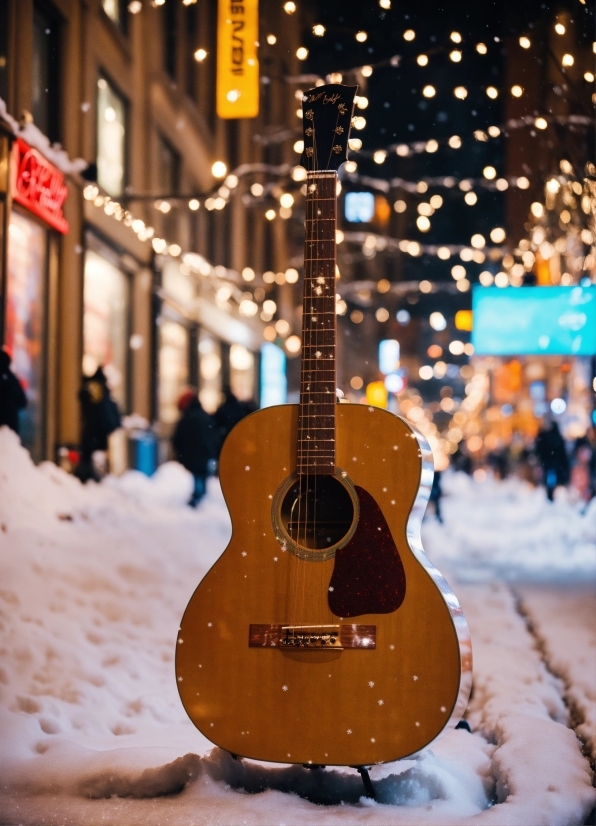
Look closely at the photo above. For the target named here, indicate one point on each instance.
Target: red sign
(38, 185)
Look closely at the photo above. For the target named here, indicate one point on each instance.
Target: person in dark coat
(100, 417)
(195, 443)
(12, 395)
(552, 455)
(436, 492)
(228, 414)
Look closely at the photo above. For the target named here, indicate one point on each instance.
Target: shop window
(4, 51)
(191, 30)
(25, 317)
(169, 181)
(242, 372)
(116, 11)
(45, 71)
(105, 323)
(171, 38)
(111, 138)
(210, 372)
(174, 350)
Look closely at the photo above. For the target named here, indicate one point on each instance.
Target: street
(96, 579)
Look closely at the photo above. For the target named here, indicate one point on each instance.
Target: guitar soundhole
(317, 512)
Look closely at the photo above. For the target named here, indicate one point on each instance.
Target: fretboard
(316, 422)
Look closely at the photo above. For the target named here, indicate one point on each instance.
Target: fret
(316, 428)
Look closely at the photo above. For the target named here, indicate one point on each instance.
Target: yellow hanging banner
(237, 62)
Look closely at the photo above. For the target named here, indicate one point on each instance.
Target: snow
(566, 626)
(509, 530)
(32, 135)
(93, 583)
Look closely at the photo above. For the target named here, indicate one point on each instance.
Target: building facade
(144, 277)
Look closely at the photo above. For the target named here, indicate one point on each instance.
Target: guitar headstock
(326, 118)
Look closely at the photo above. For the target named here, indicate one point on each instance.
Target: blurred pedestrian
(229, 413)
(196, 442)
(583, 469)
(552, 455)
(461, 461)
(12, 395)
(101, 417)
(436, 492)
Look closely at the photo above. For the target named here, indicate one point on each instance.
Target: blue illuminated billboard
(359, 207)
(274, 385)
(517, 321)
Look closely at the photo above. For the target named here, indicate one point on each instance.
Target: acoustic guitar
(323, 635)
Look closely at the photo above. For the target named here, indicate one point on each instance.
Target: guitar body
(407, 677)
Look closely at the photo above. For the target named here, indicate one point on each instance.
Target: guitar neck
(316, 421)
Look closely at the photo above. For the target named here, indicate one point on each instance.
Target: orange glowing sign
(237, 92)
(464, 320)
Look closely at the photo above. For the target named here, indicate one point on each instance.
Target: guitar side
(333, 707)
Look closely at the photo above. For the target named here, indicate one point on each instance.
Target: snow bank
(540, 774)
(565, 622)
(93, 584)
(30, 133)
(509, 530)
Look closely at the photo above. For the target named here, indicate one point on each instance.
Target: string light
(517, 91)
(361, 37)
(481, 48)
(200, 55)
(525, 42)
(219, 169)
(470, 198)
(301, 53)
(318, 30)
(422, 60)
(559, 28)
(271, 39)
(194, 204)
(567, 60)
(289, 7)
(429, 91)
(489, 172)
(460, 92)
(366, 71)
(409, 34)
(455, 37)
(492, 92)
(455, 56)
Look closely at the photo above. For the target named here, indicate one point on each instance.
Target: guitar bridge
(312, 637)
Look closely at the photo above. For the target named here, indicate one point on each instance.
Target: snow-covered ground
(93, 583)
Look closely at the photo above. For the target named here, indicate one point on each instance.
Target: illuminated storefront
(38, 193)
(201, 345)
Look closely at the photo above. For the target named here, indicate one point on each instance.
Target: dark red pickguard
(368, 577)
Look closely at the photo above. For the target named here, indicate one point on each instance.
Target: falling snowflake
(318, 354)
(275, 559)
(372, 740)
(371, 410)
(417, 724)
(371, 684)
(244, 553)
(284, 688)
(381, 702)
(393, 501)
(414, 677)
(247, 467)
(209, 625)
(443, 709)
(349, 731)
